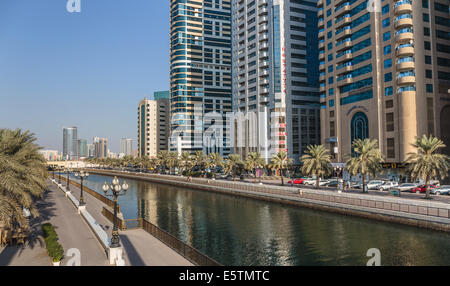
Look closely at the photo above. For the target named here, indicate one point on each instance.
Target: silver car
(443, 190)
(405, 187)
(387, 185)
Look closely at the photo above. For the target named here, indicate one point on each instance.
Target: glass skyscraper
(200, 74)
(70, 143)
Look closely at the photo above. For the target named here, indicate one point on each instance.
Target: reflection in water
(241, 231)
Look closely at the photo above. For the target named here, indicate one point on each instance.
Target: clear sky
(87, 69)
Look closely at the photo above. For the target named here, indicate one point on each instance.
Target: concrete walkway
(72, 231)
(141, 248)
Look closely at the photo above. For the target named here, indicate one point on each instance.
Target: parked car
(309, 181)
(442, 190)
(296, 181)
(372, 185)
(422, 189)
(323, 182)
(333, 183)
(405, 187)
(387, 185)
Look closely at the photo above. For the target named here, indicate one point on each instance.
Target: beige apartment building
(384, 75)
(153, 126)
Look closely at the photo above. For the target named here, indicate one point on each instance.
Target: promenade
(140, 248)
(72, 231)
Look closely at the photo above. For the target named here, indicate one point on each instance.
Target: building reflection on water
(240, 231)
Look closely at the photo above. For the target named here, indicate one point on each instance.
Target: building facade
(82, 148)
(70, 143)
(126, 146)
(275, 77)
(383, 75)
(200, 75)
(100, 147)
(153, 126)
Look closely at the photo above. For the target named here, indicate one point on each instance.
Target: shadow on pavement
(133, 256)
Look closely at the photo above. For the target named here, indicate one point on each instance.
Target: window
(331, 91)
(332, 129)
(427, 45)
(388, 77)
(387, 63)
(386, 36)
(330, 57)
(390, 148)
(330, 80)
(359, 126)
(429, 88)
(328, 23)
(426, 31)
(425, 3)
(426, 17)
(329, 35)
(385, 9)
(330, 69)
(330, 46)
(389, 103)
(386, 22)
(428, 74)
(388, 91)
(428, 60)
(390, 122)
(387, 49)
(328, 12)
(331, 103)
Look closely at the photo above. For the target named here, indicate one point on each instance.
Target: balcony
(404, 37)
(263, 64)
(403, 8)
(263, 55)
(321, 45)
(264, 90)
(410, 93)
(263, 28)
(406, 80)
(405, 66)
(405, 22)
(407, 51)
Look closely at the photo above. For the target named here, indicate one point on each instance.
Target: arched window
(360, 126)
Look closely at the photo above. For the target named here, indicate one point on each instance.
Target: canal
(242, 231)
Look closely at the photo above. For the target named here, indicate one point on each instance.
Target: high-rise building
(200, 74)
(70, 143)
(153, 126)
(275, 76)
(383, 75)
(82, 148)
(126, 146)
(100, 147)
(91, 150)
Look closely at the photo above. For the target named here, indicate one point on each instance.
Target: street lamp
(68, 171)
(59, 175)
(81, 175)
(117, 190)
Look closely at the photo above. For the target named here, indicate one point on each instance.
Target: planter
(56, 263)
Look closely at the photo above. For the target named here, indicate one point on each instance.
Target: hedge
(54, 249)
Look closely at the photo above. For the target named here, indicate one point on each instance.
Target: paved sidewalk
(72, 231)
(141, 248)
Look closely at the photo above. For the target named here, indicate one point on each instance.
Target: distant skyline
(88, 69)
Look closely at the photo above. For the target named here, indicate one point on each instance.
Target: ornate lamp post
(81, 175)
(59, 176)
(68, 171)
(117, 190)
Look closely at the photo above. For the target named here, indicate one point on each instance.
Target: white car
(387, 185)
(372, 185)
(309, 182)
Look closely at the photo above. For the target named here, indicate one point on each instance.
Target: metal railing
(93, 193)
(188, 252)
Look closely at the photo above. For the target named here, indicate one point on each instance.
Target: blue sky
(87, 69)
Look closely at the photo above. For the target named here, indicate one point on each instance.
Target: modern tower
(153, 126)
(384, 73)
(100, 147)
(82, 148)
(200, 74)
(70, 143)
(275, 76)
(126, 146)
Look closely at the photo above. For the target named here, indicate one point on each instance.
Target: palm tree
(426, 163)
(233, 163)
(199, 160)
(163, 157)
(186, 161)
(23, 175)
(172, 161)
(255, 161)
(368, 159)
(316, 162)
(214, 161)
(280, 162)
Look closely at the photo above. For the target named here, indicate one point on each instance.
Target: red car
(422, 189)
(297, 181)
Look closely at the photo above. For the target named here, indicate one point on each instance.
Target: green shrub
(54, 249)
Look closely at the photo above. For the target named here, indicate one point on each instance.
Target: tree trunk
(317, 181)
(282, 179)
(364, 183)
(427, 188)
